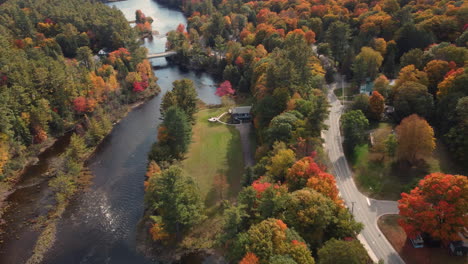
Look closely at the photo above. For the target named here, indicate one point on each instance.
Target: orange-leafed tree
(163, 134)
(411, 74)
(415, 139)
(448, 84)
(40, 135)
(99, 86)
(158, 233)
(79, 104)
(300, 172)
(436, 70)
(376, 105)
(380, 45)
(4, 154)
(325, 184)
(437, 206)
(310, 37)
(249, 258)
(151, 173)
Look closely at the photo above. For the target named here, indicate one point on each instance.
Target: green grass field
(214, 158)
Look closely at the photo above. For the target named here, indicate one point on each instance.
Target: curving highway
(364, 209)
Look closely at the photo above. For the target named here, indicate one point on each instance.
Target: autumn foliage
(260, 186)
(225, 89)
(325, 184)
(376, 105)
(157, 232)
(415, 139)
(301, 171)
(437, 206)
(249, 258)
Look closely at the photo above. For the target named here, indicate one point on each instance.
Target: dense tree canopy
(437, 206)
(175, 198)
(174, 135)
(50, 77)
(343, 252)
(271, 239)
(354, 125)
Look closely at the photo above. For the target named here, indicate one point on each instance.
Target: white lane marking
(368, 202)
(369, 250)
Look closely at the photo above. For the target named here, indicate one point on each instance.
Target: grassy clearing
(397, 237)
(215, 162)
(381, 176)
(215, 158)
(349, 92)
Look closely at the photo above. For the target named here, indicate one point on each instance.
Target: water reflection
(99, 227)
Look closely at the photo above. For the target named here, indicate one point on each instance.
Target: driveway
(364, 209)
(245, 129)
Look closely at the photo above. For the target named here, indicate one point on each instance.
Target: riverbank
(105, 216)
(47, 239)
(32, 192)
(8, 185)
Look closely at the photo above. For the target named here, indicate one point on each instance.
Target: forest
(76, 65)
(284, 53)
(53, 80)
(68, 70)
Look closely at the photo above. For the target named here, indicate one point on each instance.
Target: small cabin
(103, 53)
(241, 113)
(367, 88)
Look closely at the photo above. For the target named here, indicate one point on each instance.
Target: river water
(99, 226)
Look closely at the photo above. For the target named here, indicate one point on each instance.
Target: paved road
(245, 130)
(365, 210)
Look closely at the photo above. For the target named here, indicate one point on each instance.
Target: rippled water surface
(100, 225)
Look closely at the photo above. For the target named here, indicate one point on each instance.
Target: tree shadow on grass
(235, 162)
(232, 173)
(409, 175)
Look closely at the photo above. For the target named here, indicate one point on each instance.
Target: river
(99, 226)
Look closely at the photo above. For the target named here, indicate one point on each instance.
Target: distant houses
(367, 87)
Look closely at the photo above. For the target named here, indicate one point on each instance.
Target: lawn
(349, 92)
(381, 177)
(397, 237)
(215, 158)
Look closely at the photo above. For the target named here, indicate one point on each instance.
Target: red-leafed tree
(180, 28)
(225, 89)
(376, 105)
(240, 61)
(140, 17)
(140, 86)
(300, 172)
(79, 104)
(437, 206)
(260, 186)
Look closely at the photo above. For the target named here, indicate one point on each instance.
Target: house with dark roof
(241, 114)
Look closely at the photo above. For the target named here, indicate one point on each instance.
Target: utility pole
(352, 207)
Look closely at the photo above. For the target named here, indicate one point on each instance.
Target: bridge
(161, 54)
